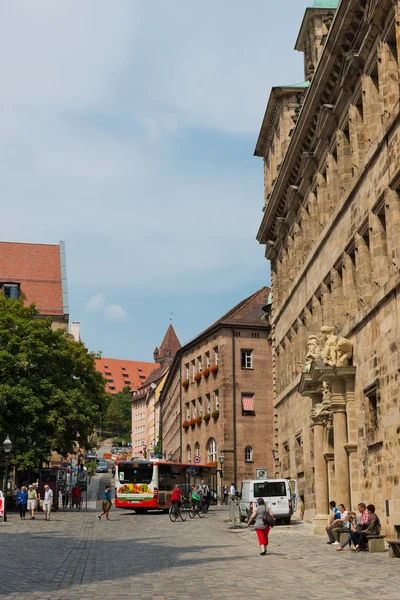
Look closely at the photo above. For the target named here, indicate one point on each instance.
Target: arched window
(189, 453)
(197, 449)
(212, 450)
(248, 454)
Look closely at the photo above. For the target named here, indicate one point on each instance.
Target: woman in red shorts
(262, 530)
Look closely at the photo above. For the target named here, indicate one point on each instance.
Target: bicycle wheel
(201, 511)
(172, 514)
(192, 511)
(183, 512)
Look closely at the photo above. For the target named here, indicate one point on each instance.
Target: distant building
(217, 399)
(145, 401)
(37, 273)
(120, 373)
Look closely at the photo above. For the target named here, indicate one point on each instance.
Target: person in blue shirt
(22, 500)
(106, 503)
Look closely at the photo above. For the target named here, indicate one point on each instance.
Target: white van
(279, 494)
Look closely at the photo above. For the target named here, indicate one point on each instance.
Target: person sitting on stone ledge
(374, 528)
(352, 519)
(339, 523)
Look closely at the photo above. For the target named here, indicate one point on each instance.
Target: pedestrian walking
(205, 494)
(225, 494)
(32, 497)
(106, 503)
(262, 515)
(47, 502)
(22, 500)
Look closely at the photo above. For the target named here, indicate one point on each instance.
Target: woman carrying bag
(264, 520)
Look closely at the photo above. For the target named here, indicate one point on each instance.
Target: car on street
(101, 467)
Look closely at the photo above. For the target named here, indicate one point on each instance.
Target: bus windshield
(133, 474)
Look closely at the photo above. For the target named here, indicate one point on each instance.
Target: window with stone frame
(187, 369)
(248, 454)
(197, 449)
(189, 453)
(199, 364)
(246, 359)
(194, 410)
(200, 405)
(216, 355)
(208, 362)
(285, 456)
(299, 453)
(193, 370)
(188, 411)
(372, 394)
(208, 401)
(216, 400)
(212, 450)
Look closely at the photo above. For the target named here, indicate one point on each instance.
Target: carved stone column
(342, 476)
(320, 476)
(330, 463)
(351, 446)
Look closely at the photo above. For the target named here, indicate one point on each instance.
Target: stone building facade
(217, 399)
(331, 227)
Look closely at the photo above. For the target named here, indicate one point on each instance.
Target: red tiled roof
(135, 372)
(36, 267)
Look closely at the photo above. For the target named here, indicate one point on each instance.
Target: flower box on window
(185, 383)
(185, 425)
(206, 373)
(197, 377)
(199, 420)
(192, 423)
(215, 414)
(214, 369)
(206, 418)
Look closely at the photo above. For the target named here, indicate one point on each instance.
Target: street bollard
(231, 507)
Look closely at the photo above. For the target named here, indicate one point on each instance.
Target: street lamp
(7, 445)
(221, 462)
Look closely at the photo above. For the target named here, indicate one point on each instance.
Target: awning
(248, 403)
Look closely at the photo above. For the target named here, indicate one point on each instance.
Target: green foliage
(158, 447)
(91, 468)
(119, 414)
(50, 391)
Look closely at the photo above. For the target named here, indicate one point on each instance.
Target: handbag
(268, 519)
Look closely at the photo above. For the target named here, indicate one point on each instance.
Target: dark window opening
(11, 290)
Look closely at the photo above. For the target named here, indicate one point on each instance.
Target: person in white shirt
(232, 493)
(205, 494)
(339, 524)
(48, 501)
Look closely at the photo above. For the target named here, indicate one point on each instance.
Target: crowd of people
(357, 526)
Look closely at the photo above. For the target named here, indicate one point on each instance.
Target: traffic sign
(197, 460)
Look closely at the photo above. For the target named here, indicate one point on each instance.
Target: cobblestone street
(74, 556)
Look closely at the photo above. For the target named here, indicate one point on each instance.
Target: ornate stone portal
(328, 379)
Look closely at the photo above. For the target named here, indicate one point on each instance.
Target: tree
(50, 391)
(119, 413)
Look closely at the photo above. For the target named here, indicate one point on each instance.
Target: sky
(127, 129)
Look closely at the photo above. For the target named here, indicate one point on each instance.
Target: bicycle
(197, 509)
(176, 511)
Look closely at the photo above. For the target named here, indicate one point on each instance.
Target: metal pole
(5, 490)
(86, 489)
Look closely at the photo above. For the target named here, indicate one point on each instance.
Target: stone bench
(394, 548)
(376, 543)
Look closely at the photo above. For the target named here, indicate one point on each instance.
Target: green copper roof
(303, 84)
(326, 3)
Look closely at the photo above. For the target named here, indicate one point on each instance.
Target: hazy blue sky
(127, 129)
